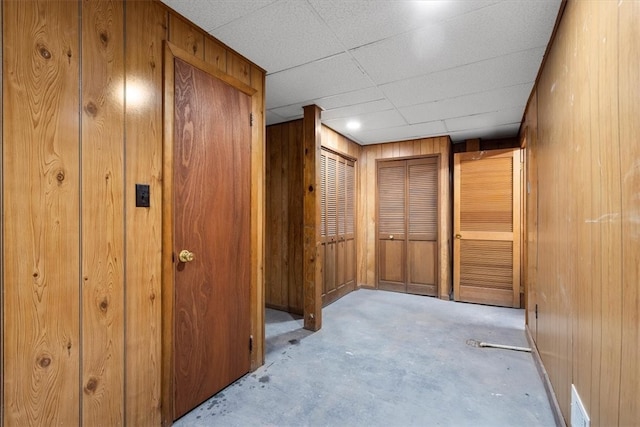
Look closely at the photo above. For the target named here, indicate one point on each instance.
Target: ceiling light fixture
(353, 125)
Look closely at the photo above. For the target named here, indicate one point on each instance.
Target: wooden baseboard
(553, 401)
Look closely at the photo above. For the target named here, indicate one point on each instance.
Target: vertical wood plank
(295, 217)
(186, 35)
(215, 53)
(102, 213)
(41, 203)
(607, 155)
(312, 266)
(257, 216)
(445, 285)
(274, 269)
(238, 67)
(629, 60)
(146, 27)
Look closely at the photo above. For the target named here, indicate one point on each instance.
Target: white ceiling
(404, 69)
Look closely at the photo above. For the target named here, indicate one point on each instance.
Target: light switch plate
(143, 196)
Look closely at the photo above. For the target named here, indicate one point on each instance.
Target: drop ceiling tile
(350, 98)
(508, 70)
(359, 22)
(282, 35)
(357, 110)
(210, 14)
(504, 131)
(369, 121)
(400, 133)
(486, 120)
(327, 77)
(273, 118)
(482, 102)
(466, 39)
(289, 111)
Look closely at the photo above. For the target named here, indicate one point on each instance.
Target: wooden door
(211, 206)
(408, 225)
(392, 225)
(487, 227)
(422, 226)
(337, 225)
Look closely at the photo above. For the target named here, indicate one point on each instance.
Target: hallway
(383, 359)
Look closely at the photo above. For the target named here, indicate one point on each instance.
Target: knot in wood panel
(91, 109)
(44, 52)
(104, 305)
(91, 386)
(60, 176)
(44, 361)
(104, 38)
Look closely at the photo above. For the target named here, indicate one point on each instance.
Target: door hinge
(536, 311)
(250, 119)
(250, 343)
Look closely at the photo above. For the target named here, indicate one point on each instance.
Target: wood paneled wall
(284, 214)
(366, 210)
(585, 252)
(81, 265)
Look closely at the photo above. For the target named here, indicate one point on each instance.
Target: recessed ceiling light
(353, 125)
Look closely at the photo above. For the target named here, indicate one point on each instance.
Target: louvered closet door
(487, 227)
(422, 222)
(337, 205)
(392, 258)
(331, 238)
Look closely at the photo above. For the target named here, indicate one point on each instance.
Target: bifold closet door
(422, 226)
(408, 225)
(337, 224)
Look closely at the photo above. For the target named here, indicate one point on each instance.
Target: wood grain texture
(239, 67)
(41, 203)
(215, 53)
(257, 216)
(312, 271)
(186, 36)
(486, 217)
(587, 327)
(283, 273)
(102, 213)
(366, 234)
(146, 24)
(629, 110)
(531, 213)
(212, 292)
(276, 287)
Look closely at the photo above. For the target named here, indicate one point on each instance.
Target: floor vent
(579, 417)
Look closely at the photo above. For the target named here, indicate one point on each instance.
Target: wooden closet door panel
(487, 227)
(331, 236)
(422, 223)
(341, 195)
(392, 225)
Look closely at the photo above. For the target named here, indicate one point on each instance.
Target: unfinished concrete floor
(387, 359)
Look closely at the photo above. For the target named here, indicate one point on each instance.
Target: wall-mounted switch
(142, 196)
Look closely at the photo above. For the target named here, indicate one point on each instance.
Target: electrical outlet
(143, 196)
(579, 416)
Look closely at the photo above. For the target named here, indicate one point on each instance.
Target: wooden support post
(312, 267)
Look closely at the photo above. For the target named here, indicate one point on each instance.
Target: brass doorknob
(391, 237)
(458, 236)
(186, 256)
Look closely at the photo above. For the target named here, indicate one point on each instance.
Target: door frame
(171, 53)
(440, 211)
